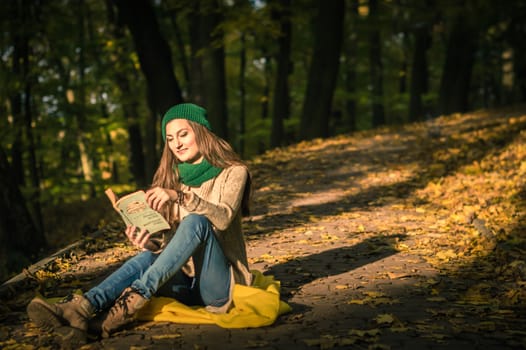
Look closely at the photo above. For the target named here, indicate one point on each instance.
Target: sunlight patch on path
(318, 198)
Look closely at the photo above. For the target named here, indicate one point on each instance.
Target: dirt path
(409, 238)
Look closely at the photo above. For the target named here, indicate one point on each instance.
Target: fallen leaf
(384, 319)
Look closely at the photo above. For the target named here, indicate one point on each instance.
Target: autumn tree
(80, 102)
(156, 63)
(281, 14)
(124, 73)
(349, 70)
(207, 74)
(458, 65)
(419, 85)
(516, 33)
(376, 66)
(321, 81)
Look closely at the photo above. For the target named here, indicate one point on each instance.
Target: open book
(135, 211)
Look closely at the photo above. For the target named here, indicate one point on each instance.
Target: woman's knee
(195, 223)
(194, 220)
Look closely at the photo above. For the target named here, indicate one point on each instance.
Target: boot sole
(70, 338)
(44, 315)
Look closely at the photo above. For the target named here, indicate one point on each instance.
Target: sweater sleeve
(231, 190)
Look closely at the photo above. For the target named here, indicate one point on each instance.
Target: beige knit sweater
(219, 199)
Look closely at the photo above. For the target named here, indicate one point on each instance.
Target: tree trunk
(402, 78)
(419, 71)
(265, 97)
(156, 63)
(181, 51)
(458, 66)
(515, 35)
(197, 42)
(242, 93)
(23, 116)
(281, 13)
(34, 171)
(16, 149)
(349, 72)
(85, 159)
(208, 68)
(130, 106)
(323, 70)
(519, 67)
(267, 78)
(16, 98)
(20, 239)
(376, 67)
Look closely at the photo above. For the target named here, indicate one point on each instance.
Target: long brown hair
(215, 150)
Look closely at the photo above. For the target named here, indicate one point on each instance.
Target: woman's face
(181, 141)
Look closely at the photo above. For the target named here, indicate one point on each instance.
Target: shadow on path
(298, 272)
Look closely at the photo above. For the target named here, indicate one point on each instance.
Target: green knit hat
(188, 111)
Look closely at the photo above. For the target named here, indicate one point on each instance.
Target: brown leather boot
(123, 312)
(74, 311)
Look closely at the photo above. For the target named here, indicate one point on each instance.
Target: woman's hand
(157, 197)
(138, 238)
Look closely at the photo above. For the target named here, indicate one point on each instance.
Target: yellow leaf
(399, 329)
(167, 336)
(516, 263)
(373, 294)
(266, 257)
(365, 333)
(384, 318)
(346, 341)
(394, 275)
(402, 246)
(446, 255)
(458, 218)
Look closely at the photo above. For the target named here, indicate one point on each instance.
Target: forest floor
(400, 238)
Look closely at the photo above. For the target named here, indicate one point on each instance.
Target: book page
(135, 211)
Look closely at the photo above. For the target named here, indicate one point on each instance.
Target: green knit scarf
(195, 174)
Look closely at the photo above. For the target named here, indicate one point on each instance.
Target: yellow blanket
(254, 306)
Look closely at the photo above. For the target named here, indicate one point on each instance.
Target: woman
(202, 188)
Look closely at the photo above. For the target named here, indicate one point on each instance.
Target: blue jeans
(160, 274)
